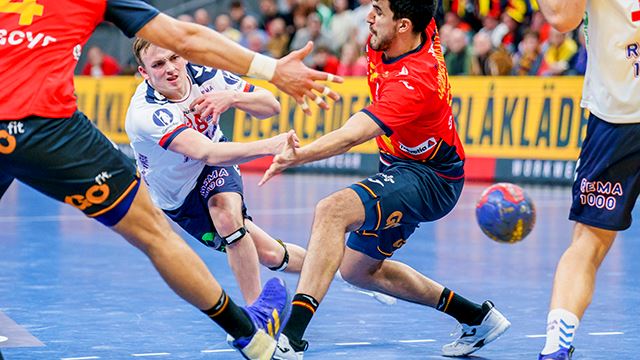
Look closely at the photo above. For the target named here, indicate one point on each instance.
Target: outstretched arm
(563, 15)
(358, 129)
(204, 46)
(194, 145)
(259, 103)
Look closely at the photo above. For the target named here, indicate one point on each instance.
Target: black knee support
(285, 259)
(235, 236)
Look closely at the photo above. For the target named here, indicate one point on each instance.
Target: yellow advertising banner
(507, 117)
(501, 117)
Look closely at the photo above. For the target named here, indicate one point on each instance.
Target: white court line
(606, 333)
(416, 341)
(536, 336)
(82, 358)
(353, 343)
(217, 351)
(3, 338)
(151, 354)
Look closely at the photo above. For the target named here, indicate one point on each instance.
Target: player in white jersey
(607, 180)
(189, 166)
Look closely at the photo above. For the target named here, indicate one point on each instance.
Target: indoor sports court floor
(72, 289)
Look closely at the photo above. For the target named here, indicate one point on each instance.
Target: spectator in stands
(482, 49)
(528, 59)
(489, 61)
(237, 12)
(458, 55)
(325, 60)
(257, 43)
(506, 33)
(312, 32)
(186, 18)
(360, 19)
(223, 26)
(324, 12)
(540, 25)
(249, 26)
(342, 26)
(279, 38)
(352, 61)
(100, 64)
(201, 17)
(558, 51)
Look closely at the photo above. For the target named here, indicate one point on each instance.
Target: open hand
(285, 159)
(296, 79)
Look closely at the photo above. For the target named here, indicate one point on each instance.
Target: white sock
(561, 328)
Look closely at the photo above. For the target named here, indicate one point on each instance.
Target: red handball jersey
(411, 102)
(40, 44)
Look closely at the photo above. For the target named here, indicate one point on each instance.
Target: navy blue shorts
(71, 161)
(193, 215)
(396, 201)
(607, 179)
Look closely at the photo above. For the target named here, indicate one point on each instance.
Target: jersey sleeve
(400, 102)
(235, 83)
(129, 15)
(158, 124)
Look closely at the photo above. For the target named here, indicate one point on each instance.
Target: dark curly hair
(420, 12)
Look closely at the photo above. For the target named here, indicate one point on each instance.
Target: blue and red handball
(505, 213)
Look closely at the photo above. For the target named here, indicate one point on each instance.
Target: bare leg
(271, 252)
(389, 277)
(334, 216)
(146, 228)
(226, 213)
(575, 276)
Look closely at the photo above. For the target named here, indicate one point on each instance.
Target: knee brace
(285, 259)
(235, 236)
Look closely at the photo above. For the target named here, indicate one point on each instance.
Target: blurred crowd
(479, 37)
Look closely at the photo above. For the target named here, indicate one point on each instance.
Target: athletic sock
(463, 310)
(302, 310)
(231, 317)
(561, 327)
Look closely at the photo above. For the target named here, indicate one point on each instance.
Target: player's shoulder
(201, 75)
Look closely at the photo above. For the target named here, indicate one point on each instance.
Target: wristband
(262, 67)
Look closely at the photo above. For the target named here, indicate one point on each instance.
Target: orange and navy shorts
(396, 200)
(70, 160)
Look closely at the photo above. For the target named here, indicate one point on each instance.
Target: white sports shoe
(284, 350)
(473, 338)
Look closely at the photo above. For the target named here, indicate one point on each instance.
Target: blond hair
(140, 45)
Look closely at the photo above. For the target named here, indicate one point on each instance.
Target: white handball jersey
(153, 122)
(612, 81)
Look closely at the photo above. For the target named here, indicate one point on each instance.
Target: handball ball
(505, 213)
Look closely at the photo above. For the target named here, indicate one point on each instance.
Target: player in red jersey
(48, 144)
(420, 179)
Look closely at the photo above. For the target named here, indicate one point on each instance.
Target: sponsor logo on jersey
(420, 149)
(18, 37)
(162, 117)
(229, 78)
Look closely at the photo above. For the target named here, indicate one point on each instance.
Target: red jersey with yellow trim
(40, 44)
(411, 102)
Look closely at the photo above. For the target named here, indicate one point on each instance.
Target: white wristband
(262, 67)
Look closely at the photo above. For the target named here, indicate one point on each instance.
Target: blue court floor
(72, 289)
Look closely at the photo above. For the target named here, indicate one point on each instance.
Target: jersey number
(27, 9)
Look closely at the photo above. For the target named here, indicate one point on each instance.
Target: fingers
(316, 99)
(304, 106)
(196, 102)
(267, 175)
(325, 91)
(306, 50)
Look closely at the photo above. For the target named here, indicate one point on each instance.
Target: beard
(378, 43)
